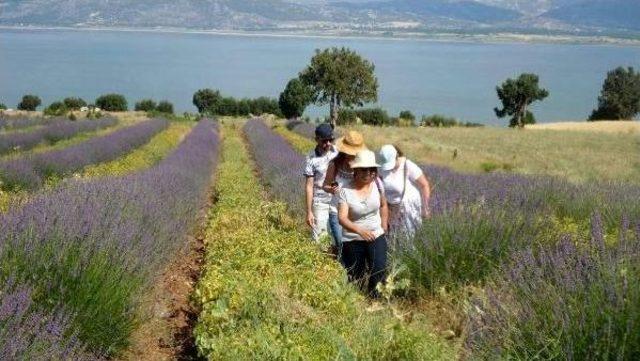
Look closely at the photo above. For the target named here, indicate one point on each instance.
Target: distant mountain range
(524, 16)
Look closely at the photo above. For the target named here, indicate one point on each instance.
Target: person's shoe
(333, 251)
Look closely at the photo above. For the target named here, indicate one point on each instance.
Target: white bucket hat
(388, 155)
(364, 159)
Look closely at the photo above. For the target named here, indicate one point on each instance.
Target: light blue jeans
(336, 232)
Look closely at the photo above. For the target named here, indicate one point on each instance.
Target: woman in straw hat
(339, 174)
(407, 190)
(363, 214)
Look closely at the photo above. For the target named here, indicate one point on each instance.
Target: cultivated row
(79, 258)
(30, 172)
(55, 132)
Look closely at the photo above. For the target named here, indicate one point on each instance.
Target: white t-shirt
(364, 212)
(393, 182)
(316, 166)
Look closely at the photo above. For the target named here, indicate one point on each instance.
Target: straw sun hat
(364, 159)
(351, 143)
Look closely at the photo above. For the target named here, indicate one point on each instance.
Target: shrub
(374, 116)
(438, 120)
(74, 103)
(346, 117)
(112, 103)
(575, 301)
(165, 107)
(72, 117)
(406, 114)
(3, 107)
(207, 100)
(145, 105)
(619, 97)
(294, 99)
(56, 109)
(29, 102)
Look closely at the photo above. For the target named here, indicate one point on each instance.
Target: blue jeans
(361, 257)
(336, 232)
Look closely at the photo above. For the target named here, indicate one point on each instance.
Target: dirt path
(166, 331)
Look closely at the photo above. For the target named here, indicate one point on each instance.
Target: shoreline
(474, 38)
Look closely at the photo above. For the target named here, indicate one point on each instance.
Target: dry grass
(625, 127)
(576, 155)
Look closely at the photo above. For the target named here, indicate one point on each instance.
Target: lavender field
(78, 259)
(533, 267)
(536, 247)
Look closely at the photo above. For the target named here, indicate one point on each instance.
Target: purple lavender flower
(54, 132)
(30, 172)
(92, 247)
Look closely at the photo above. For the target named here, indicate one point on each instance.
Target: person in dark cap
(318, 201)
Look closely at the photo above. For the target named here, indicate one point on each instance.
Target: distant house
(84, 109)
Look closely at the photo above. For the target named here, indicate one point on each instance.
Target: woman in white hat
(363, 214)
(407, 190)
(339, 173)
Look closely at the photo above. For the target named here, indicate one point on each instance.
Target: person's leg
(354, 260)
(336, 233)
(321, 214)
(377, 257)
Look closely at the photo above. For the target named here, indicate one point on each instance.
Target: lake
(427, 77)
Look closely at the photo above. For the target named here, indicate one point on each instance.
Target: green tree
(56, 109)
(145, 105)
(620, 96)
(74, 103)
(29, 102)
(3, 107)
(112, 103)
(516, 95)
(294, 99)
(207, 100)
(340, 77)
(165, 107)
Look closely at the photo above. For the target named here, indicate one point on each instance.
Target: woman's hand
(367, 235)
(335, 188)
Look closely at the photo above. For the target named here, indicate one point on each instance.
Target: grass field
(577, 155)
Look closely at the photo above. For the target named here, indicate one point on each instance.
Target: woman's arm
(329, 179)
(384, 213)
(345, 222)
(425, 194)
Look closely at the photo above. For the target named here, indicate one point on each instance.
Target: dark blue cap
(324, 131)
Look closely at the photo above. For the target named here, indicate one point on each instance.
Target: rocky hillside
(573, 16)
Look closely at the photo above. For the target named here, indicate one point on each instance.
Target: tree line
(343, 79)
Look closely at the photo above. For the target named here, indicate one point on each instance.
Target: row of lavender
(279, 165)
(16, 123)
(485, 226)
(52, 133)
(77, 260)
(31, 171)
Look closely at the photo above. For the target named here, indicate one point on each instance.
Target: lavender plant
(16, 123)
(280, 166)
(55, 132)
(92, 247)
(579, 300)
(29, 172)
(27, 333)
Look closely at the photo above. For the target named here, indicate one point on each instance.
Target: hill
(544, 17)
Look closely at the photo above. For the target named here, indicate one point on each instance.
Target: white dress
(405, 213)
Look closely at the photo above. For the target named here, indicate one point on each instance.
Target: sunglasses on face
(367, 171)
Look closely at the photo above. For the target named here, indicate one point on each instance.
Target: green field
(581, 156)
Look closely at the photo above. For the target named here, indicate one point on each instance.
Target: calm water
(451, 78)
